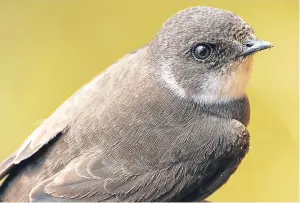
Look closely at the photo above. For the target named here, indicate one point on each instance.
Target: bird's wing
(40, 137)
(99, 177)
(57, 124)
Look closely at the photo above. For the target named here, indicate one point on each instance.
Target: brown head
(205, 54)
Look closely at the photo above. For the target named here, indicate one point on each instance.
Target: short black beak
(255, 46)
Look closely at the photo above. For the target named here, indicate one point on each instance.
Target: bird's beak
(255, 46)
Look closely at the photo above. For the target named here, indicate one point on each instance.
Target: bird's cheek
(243, 65)
(248, 63)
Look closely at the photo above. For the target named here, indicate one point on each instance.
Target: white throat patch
(216, 88)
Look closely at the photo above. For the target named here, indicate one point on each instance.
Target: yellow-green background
(50, 48)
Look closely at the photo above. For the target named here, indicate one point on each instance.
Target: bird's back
(65, 145)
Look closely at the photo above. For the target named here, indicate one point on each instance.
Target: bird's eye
(202, 51)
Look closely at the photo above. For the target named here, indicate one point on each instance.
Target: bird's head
(205, 54)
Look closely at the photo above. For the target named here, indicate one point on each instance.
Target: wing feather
(58, 123)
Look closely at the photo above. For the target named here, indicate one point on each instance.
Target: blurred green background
(50, 48)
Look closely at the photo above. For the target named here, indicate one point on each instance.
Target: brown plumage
(165, 123)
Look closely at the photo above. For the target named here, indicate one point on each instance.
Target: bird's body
(128, 136)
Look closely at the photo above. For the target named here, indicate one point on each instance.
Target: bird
(167, 122)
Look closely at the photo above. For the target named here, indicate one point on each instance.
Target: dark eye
(201, 51)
